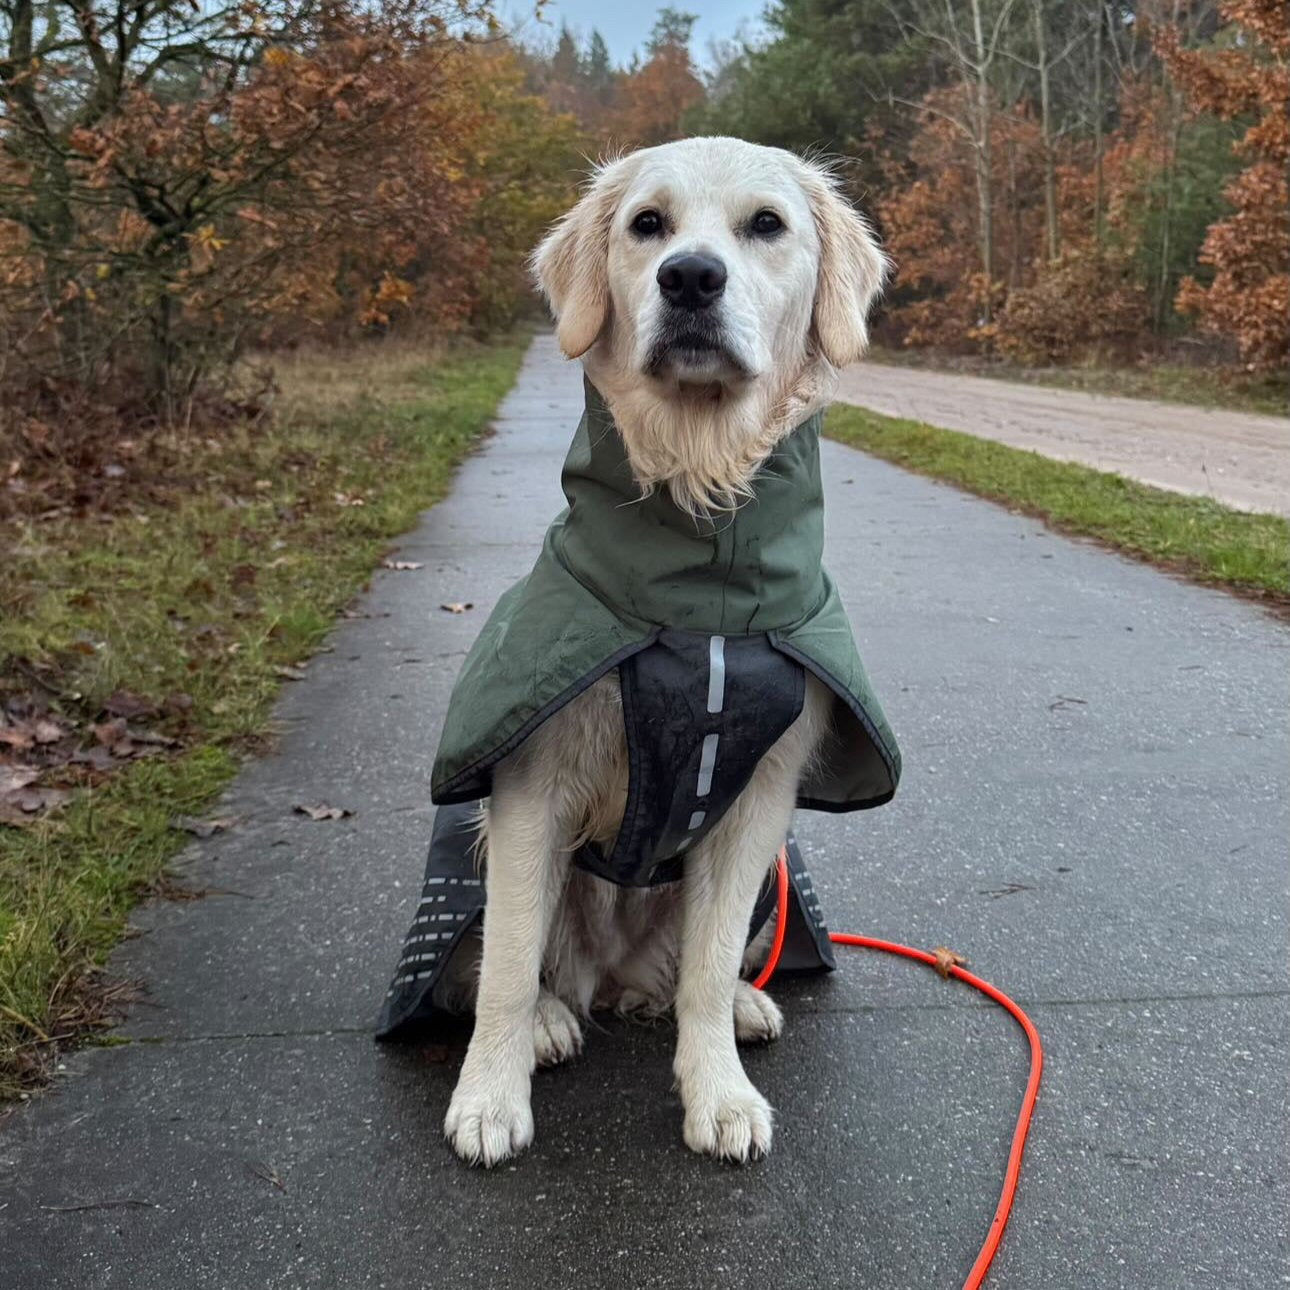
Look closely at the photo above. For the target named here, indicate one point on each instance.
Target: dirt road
(1237, 458)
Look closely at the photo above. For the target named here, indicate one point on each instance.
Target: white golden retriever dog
(710, 288)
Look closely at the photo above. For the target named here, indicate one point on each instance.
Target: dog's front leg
(489, 1118)
(725, 1115)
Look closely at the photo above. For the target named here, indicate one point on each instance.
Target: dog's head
(709, 281)
(711, 260)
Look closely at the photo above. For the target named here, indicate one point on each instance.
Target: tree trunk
(1162, 292)
(1099, 197)
(985, 196)
(1046, 130)
(1016, 249)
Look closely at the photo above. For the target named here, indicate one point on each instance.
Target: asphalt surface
(1241, 459)
(1094, 812)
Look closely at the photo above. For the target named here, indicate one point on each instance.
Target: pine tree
(566, 65)
(598, 69)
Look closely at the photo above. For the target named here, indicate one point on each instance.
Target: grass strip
(204, 590)
(1193, 536)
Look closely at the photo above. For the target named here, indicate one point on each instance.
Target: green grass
(1190, 535)
(1200, 386)
(203, 589)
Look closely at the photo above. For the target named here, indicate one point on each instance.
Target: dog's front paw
(758, 1019)
(489, 1119)
(557, 1036)
(732, 1123)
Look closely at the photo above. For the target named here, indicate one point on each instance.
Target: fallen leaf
(458, 606)
(46, 731)
(401, 565)
(109, 733)
(202, 828)
(266, 1173)
(125, 703)
(15, 778)
(36, 799)
(946, 959)
(18, 737)
(153, 738)
(290, 673)
(97, 758)
(322, 811)
(13, 817)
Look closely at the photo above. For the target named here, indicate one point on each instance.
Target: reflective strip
(707, 762)
(716, 673)
(696, 820)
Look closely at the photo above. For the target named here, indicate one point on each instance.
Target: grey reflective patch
(716, 673)
(707, 762)
(695, 821)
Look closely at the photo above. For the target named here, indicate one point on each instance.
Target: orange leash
(946, 967)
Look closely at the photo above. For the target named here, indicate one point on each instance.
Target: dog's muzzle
(690, 340)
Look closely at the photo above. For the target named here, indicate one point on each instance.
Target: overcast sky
(625, 26)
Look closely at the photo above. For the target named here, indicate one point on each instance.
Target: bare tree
(968, 36)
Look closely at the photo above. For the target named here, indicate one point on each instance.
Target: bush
(1085, 300)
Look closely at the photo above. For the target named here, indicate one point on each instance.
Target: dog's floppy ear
(572, 263)
(852, 270)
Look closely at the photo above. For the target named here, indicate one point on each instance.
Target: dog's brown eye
(766, 223)
(648, 224)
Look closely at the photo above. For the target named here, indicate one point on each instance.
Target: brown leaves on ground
(946, 960)
(203, 828)
(401, 566)
(322, 811)
(46, 753)
(124, 703)
(457, 606)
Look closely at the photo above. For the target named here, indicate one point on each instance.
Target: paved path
(1094, 812)
(1239, 458)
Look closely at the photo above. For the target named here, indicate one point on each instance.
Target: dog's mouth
(694, 352)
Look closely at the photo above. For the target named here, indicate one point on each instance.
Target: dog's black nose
(690, 280)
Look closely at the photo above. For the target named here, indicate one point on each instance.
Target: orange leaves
(1085, 298)
(655, 99)
(392, 292)
(1249, 298)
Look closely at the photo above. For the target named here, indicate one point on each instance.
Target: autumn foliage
(1249, 250)
(182, 184)
(1055, 182)
(179, 184)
